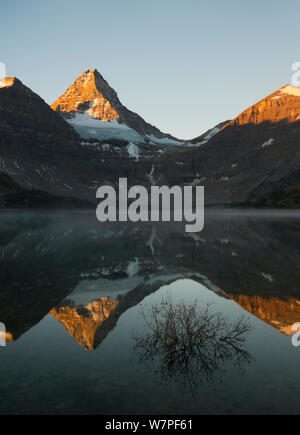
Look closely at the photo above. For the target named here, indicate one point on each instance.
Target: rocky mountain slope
(93, 108)
(254, 160)
(208, 135)
(40, 151)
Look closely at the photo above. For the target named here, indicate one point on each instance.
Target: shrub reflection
(190, 341)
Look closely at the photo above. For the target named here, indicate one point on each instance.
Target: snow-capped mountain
(282, 105)
(44, 162)
(93, 108)
(252, 160)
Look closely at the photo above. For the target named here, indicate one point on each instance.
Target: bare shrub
(191, 341)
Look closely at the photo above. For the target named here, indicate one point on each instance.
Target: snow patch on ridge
(164, 141)
(268, 143)
(268, 277)
(6, 82)
(290, 90)
(207, 138)
(210, 135)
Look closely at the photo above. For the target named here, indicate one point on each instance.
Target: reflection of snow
(150, 177)
(152, 239)
(196, 238)
(88, 290)
(225, 241)
(89, 144)
(133, 268)
(133, 151)
(197, 181)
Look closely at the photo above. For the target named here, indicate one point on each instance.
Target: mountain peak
(91, 99)
(89, 93)
(13, 82)
(22, 110)
(282, 105)
(8, 82)
(290, 90)
(91, 76)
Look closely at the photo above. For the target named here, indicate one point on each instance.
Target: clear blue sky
(182, 65)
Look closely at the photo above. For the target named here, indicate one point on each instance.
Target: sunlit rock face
(82, 322)
(89, 93)
(282, 105)
(251, 161)
(90, 98)
(281, 314)
(7, 82)
(39, 150)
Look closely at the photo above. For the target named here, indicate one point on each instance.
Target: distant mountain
(281, 105)
(254, 160)
(41, 152)
(23, 113)
(93, 108)
(209, 134)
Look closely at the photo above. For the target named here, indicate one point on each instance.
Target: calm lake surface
(72, 292)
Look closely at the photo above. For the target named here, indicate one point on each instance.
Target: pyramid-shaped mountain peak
(90, 99)
(89, 93)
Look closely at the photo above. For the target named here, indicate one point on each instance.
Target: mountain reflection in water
(82, 322)
(191, 341)
(46, 258)
(87, 276)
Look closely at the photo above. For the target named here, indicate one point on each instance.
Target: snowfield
(290, 90)
(89, 127)
(209, 136)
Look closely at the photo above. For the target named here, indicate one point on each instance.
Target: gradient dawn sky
(184, 65)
